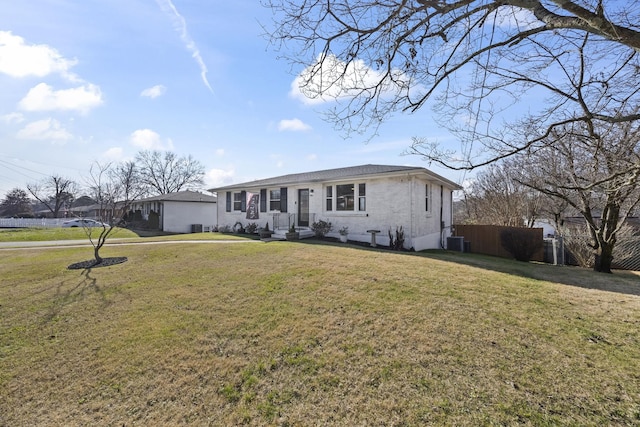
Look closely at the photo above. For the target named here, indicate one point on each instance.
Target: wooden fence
(485, 239)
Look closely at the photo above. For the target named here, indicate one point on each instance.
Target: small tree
(114, 187)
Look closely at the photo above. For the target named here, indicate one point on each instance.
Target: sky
(92, 80)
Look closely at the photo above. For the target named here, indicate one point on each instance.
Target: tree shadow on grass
(66, 294)
(623, 282)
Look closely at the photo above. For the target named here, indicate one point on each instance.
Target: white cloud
(219, 177)
(181, 26)
(114, 153)
(312, 157)
(47, 129)
(43, 98)
(146, 139)
(332, 79)
(220, 152)
(18, 59)
(12, 118)
(294, 125)
(154, 92)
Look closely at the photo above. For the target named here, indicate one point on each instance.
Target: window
(362, 199)
(237, 201)
(344, 197)
(330, 198)
(427, 199)
(274, 200)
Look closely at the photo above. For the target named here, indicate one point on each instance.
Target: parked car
(84, 223)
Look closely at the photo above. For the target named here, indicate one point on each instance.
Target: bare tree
(55, 192)
(596, 171)
(557, 61)
(496, 198)
(165, 172)
(114, 187)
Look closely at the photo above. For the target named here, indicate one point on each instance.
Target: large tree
(16, 203)
(165, 172)
(55, 192)
(485, 61)
(596, 171)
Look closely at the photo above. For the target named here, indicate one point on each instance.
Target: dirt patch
(106, 262)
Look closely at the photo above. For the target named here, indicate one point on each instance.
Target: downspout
(413, 192)
(441, 217)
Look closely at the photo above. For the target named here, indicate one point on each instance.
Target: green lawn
(291, 334)
(76, 233)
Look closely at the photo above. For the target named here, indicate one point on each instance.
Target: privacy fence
(485, 239)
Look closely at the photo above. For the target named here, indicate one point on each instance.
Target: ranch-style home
(180, 212)
(363, 198)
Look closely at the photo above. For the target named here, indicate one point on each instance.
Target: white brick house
(361, 198)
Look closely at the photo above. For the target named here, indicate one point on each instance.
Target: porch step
(305, 233)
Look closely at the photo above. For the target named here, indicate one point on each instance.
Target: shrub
(238, 228)
(321, 228)
(521, 244)
(397, 243)
(154, 220)
(251, 228)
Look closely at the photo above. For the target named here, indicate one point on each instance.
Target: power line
(11, 167)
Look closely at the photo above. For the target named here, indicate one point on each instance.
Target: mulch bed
(106, 262)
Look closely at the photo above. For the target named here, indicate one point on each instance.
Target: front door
(303, 207)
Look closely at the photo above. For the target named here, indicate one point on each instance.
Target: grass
(55, 233)
(313, 334)
(76, 233)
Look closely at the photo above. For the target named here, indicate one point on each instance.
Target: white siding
(179, 216)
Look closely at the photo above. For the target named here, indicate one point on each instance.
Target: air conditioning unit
(455, 243)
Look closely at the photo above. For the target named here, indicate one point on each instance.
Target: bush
(321, 228)
(397, 243)
(224, 229)
(251, 228)
(521, 244)
(154, 221)
(238, 228)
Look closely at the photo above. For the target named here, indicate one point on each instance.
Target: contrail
(181, 26)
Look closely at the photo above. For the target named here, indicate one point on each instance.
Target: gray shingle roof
(334, 174)
(181, 196)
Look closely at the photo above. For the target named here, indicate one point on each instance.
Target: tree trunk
(604, 258)
(96, 254)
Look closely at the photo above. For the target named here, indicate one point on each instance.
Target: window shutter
(263, 200)
(283, 199)
(228, 201)
(243, 202)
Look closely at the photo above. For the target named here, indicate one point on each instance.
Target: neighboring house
(181, 212)
(368, 197)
